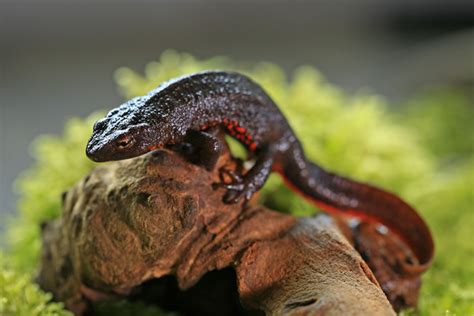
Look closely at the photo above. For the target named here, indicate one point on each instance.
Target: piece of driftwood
(152, 228)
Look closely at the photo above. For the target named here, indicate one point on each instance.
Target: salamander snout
(93, 150)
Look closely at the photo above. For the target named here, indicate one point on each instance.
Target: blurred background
(58, 57)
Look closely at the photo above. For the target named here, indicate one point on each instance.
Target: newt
(194, 106)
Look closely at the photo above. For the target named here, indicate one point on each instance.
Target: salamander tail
(342, 196)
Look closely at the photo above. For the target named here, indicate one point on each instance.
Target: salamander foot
(237, 187)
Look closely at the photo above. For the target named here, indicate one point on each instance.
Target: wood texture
(156, 218)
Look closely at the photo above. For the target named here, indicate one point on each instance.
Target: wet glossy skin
(193, 107)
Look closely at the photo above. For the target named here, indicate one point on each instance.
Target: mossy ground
(422, 150)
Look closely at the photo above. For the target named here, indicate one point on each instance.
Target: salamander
(192, 107)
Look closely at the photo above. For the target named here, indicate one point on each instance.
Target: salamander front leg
(200, 148)
(245, 186)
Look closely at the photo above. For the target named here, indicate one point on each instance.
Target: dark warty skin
(195, 106)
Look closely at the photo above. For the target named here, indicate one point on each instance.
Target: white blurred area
(57, 58)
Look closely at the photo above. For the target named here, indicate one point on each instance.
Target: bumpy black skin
(193, 107)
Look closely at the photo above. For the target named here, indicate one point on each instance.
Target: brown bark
(157, 216)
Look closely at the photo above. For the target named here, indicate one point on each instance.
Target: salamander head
(126, 132)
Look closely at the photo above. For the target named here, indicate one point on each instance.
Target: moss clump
(20, 297)
(59, 162)
(442, 120)
(423, 152)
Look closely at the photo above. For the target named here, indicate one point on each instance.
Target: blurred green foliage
(424, 152)
(444, 119)
(20, 297)
(59, 162)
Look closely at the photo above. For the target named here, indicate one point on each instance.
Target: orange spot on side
(253, 146)
(154, 147)
(240, 130)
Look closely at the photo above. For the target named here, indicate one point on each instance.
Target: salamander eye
(124, 142)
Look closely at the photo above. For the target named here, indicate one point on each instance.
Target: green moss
(20, 297)
(59, 163)
(442, 120)
(443, 117)
(423, 152)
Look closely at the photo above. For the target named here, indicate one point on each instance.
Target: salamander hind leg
(244, 186)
